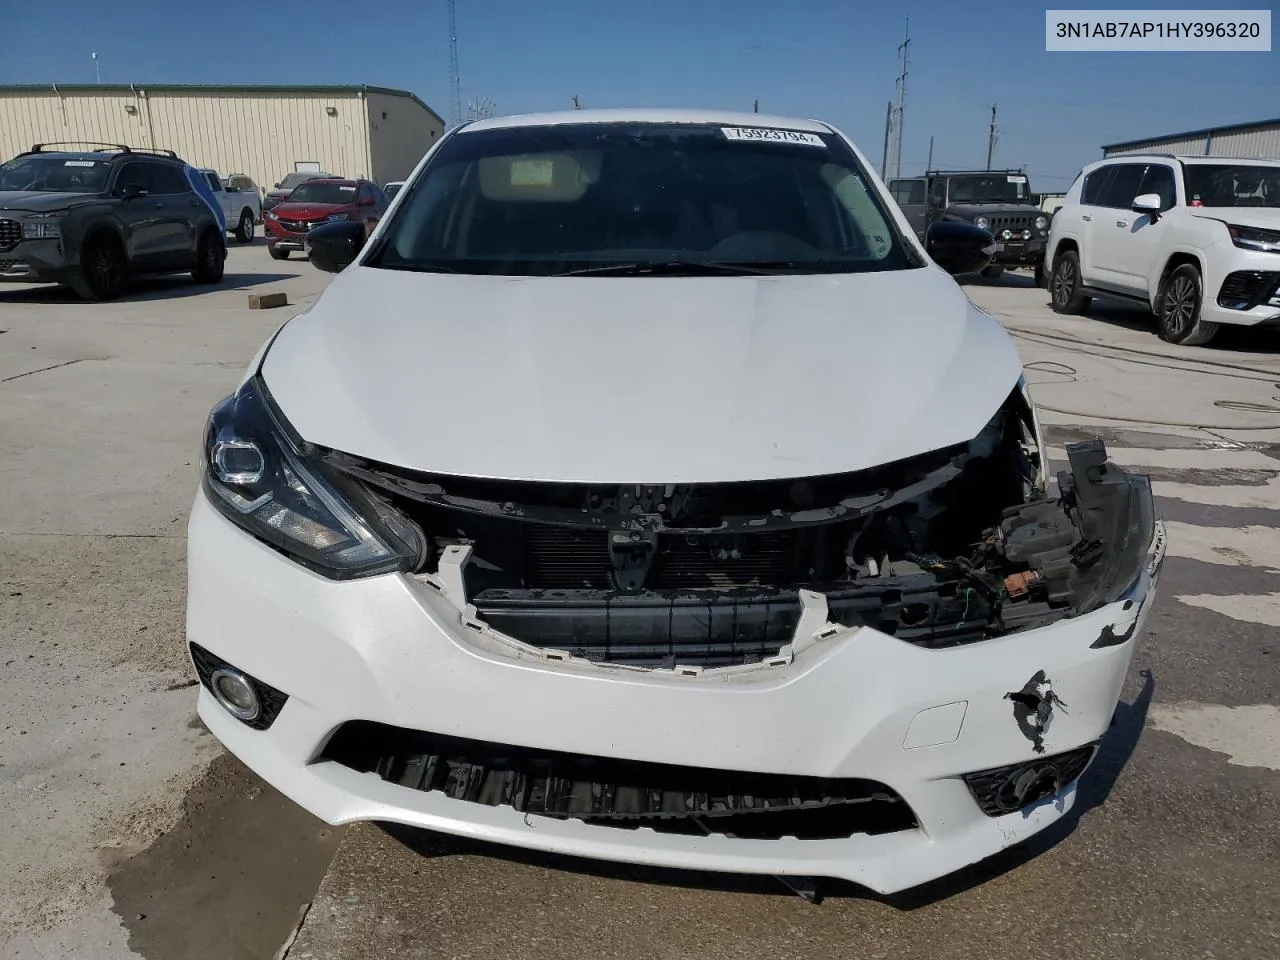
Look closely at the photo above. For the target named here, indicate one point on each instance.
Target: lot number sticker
(776, 136)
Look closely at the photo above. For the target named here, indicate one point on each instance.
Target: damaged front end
(951, 547)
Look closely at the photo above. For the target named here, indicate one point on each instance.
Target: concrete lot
(124, 831)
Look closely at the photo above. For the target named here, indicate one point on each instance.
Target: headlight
(1251, 238)
(271, 215)
(1042, 223)
(337, 216)
(43, 226)
(982, 222)
(259, 478)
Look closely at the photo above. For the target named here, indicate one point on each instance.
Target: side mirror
(334, 246)
(1148, 203)
(132, 191)
(959, 247)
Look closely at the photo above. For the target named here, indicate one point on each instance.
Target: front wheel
(1039, 273)
(210, 258)
(993, 271)
(277, 254)
(244, 232)
(103, 270)
(1065, 287)
(1178, 310)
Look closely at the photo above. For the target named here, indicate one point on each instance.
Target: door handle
(1086, 218)
(1122, 223)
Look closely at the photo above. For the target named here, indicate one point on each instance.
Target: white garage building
(1259, 139)
(262, 131)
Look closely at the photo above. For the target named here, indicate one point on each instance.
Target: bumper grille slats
(620, 793)
(10, 235)
(1246, 289)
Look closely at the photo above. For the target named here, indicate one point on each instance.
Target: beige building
(263, 131)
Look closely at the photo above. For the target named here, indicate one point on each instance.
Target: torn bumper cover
(846, 752)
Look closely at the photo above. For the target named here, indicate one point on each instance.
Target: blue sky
(818, 58)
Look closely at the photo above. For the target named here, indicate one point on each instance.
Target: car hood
(308, 211)
(994, 209)
(1264, 218)
(41, 201)
(622, 379)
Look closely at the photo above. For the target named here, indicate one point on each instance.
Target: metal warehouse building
(1258, 139)
(265, 132)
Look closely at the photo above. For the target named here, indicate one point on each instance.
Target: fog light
(1026, 234)
(232, 689)
(1006, 235)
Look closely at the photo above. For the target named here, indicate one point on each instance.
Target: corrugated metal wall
(261, 134)
(400, 133)
(1255, 142)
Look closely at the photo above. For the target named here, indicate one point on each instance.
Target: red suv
(316, 202)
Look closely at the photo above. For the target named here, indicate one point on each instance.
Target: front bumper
(856, 703)
(1242, 287)
(36, 261)
(1019, 252)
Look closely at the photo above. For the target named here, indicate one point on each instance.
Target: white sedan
(643, 489)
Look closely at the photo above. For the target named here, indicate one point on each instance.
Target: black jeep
(91, 219)
(996, 200)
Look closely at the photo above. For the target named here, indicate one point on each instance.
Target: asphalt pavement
(124, 831)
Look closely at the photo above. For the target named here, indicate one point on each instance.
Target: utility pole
(884, 157)
(455, 79)
(904, 53)
(97, 67)
(755, 108)
(991, 136)
(929, 165)
(577, 104)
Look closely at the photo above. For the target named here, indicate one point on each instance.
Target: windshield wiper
(424, 267)
(684, 267)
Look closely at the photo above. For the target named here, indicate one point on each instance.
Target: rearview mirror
(959, 247)
(1148, 203)
(335, 245)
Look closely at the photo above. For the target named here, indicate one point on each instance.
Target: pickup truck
(241, 209)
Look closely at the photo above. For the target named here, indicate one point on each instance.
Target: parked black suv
(996, 200)
(90, 219)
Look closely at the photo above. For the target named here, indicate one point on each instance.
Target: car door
(140, 213)
(1110, 237)
(180, 210)
(1137, 236)
(910, 195)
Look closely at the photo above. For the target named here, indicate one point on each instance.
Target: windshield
(991, 188)
(592, 196)
(293, 179)
(1232, 185)
(55, 175)
(317, 192)
(392, 189)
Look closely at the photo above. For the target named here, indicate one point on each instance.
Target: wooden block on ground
(265, 301)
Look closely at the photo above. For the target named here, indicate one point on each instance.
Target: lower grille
(566, 559)
(271, 699)
(608, 792)
(10, 235)
(1246, 289)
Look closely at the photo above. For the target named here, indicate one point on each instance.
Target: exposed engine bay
(950, 547)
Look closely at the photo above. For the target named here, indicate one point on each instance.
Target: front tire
(1178, 309)
(211, 255)
(278, 254)
(1065, 286)
(993, 271)
(1039, 273)
(103, 270)
(244, 232)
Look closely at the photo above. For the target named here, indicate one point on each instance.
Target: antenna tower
(455, 80)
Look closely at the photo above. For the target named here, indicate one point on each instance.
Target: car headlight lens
(271, 215)
(259, 476)
(1042, 223)
(336, 216)
(982, 222)
(1251, 238)
(43, 226)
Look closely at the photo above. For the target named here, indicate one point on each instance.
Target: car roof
(334, 180)
(718, 117)
(1198, 159)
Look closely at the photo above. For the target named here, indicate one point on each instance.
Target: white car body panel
(716, 378)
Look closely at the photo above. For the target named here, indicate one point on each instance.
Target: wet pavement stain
(231, 879)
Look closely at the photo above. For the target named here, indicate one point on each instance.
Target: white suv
(1196, 239)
